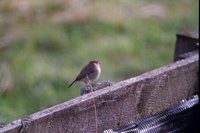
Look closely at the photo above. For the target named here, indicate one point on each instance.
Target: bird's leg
(89, 82)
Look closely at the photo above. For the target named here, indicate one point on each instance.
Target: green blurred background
(44, 44)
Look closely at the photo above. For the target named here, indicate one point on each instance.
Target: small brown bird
(89, 73)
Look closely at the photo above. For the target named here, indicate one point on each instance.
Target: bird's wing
(85, 71)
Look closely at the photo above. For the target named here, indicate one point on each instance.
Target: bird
(89, 73)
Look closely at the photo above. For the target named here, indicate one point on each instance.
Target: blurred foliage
(44, 44)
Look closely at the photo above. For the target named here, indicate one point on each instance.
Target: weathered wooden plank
(140, 96)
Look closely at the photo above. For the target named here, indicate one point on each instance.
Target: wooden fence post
(185, 42)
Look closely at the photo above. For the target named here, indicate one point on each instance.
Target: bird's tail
(71, 83)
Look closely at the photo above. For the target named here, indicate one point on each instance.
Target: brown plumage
(89, 73)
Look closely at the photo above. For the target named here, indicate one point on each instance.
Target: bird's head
(94, 62)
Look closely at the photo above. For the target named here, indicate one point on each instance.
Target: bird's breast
(95, 75)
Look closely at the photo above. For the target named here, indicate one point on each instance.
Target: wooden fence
(140, 96)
